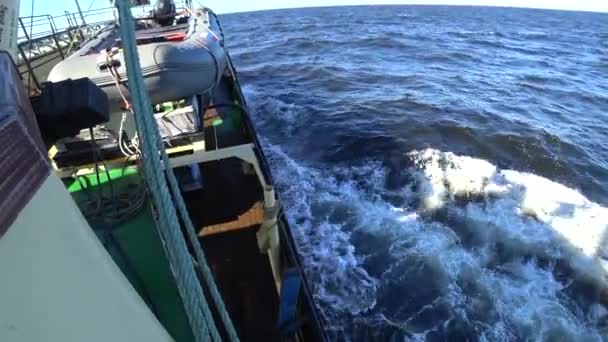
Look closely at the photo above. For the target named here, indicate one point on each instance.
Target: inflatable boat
(180, 56)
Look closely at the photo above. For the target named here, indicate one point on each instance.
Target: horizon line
(418, 4)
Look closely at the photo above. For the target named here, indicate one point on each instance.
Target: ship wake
(430, 245)
(447, 246)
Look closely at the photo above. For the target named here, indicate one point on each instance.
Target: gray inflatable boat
(177, 60)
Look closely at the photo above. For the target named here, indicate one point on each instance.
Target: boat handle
(103, 66)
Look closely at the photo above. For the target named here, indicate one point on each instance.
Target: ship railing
(44, 40)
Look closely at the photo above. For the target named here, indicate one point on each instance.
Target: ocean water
(444, 169)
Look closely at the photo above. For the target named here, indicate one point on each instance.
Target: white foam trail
(492, 255)
(532, 211)
(283, 113)
(330, 257)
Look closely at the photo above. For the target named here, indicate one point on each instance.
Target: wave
(300, 71)
(469, 34)
(520, 35)
(542, 215)
(534, 35)
(406, 243)
(502, 242)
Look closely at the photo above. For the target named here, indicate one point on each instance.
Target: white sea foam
(520, 211)
(492, 245)
(329, 256)
(283, 113)
(525, 210)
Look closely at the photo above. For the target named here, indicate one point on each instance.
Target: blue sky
(228, 6)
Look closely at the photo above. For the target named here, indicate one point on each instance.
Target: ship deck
(228, 212)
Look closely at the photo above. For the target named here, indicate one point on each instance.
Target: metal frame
(268, 234)
(47, 38)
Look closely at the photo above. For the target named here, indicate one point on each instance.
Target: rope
(181, 263)
(126, 151)
(191, 232)
(164, 196)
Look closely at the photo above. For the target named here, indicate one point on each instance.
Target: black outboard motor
(164, 12)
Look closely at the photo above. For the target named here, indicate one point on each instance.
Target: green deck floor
(136, 247)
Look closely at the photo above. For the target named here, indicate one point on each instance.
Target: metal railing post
(80, 11)
(27, 36)
(54, 33)
(78, 26)
(30, 71)
(42, 42)
(67, 16)
(70, 25)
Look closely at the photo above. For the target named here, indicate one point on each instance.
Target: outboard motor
(164, 12)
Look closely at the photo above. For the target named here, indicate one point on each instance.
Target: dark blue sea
(444, 169)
